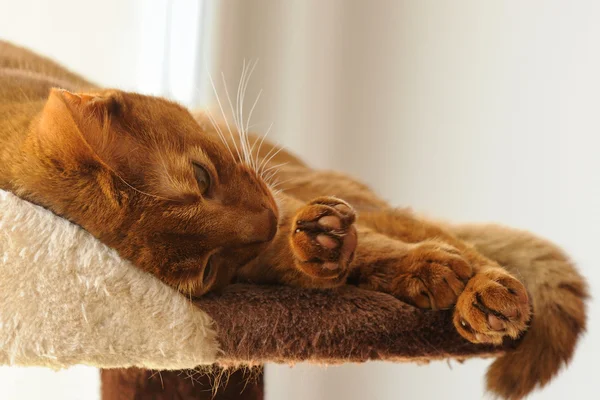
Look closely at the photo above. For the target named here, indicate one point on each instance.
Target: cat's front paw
(324, 238)
(493, 305)
(432, 275)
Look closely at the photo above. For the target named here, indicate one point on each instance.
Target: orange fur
(120, 165)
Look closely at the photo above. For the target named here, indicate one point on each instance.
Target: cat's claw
(494, 305)
(434, 275)
(324, 238)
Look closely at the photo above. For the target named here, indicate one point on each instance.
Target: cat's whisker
(256, 125)
(273, 177)
(243, 152)
(270, 177)
(247, 80)
(266, 155)
(277, 167)
(216, 126)
(235, 120)
(280, 189)
(250, 117)
(245, 87)
(219, 132)
(267, 161)
(238, 97)
(279, 183)
(242, 95)
(256, 160)
(264, 159)
(212, 83)
(239, 112)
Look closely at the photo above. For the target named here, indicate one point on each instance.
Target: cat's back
(25, 82)
(28, 77)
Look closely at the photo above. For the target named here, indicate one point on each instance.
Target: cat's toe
(494, 305)
(324, 238)
(432, 275)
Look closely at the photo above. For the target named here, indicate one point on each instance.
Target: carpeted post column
(135, 383)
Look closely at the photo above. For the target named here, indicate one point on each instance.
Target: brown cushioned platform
(258, 324)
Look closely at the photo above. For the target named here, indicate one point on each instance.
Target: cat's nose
(263, 226)
(272, 223)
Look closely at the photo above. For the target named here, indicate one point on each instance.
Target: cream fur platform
(67, 299)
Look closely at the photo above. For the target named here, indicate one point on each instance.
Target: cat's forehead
(155, 108)
(157, 118)
(159, 125)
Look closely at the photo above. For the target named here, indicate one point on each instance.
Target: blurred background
(466, 110)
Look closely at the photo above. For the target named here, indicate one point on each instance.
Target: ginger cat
(176, 195)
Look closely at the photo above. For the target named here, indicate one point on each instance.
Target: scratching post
(218, 384)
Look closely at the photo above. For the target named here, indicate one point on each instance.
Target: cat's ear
(90, 105)
(79, 124)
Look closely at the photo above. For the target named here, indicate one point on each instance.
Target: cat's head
(139, 173)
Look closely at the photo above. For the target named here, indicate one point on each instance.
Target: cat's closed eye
(202, 177)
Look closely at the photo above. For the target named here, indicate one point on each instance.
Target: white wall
(151, 47)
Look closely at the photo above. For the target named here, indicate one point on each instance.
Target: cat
(183, 199)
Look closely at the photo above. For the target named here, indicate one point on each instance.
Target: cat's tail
(558, 294)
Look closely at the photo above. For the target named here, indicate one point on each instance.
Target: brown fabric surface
(258, 324)
(134, 384)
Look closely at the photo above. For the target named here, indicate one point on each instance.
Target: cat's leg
(319, 246)
(316, 247)
(419, 262)
(428, 274)
(493, 304)
(425, 266)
